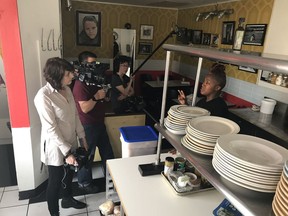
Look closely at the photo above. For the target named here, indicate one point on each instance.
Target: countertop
(275, 124)
(151, 195)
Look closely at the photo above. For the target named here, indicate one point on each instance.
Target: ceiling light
(69, 5)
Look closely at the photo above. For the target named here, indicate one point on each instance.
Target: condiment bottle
(279, 80)
(169, 165)
(269, 78)
(285, 81)
(273, 79)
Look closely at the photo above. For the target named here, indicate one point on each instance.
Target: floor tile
(83, 214)
(73, 211)
(37, 209)
(94, 213)
(11, 188)
(95, 200)
(11, 198)
(14, 211)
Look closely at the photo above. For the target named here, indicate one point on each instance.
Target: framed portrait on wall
(206, 39)
(228, 29)
(254, 34)
(214, 40)
(88, 28)
(146, 32)
(145, 48)
(196, 37)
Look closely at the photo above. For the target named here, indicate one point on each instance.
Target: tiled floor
(11, 206)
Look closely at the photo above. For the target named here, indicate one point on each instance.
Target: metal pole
(161, 121)
(197, 81)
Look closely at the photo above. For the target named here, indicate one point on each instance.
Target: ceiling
(163, 3)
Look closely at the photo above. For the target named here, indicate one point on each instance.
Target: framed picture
(214, 40)
(146, 32)
(254, 34)
(228, 29)
(88, 28)
(206, 39)
(145, 48)
(247, 69)
(196, 37)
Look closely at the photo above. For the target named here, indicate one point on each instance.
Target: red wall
(13, 64)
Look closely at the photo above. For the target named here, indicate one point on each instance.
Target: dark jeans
(96, 136)
(58, 175)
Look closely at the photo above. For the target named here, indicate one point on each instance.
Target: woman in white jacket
(60, 128)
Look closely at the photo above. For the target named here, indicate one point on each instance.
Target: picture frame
(228, 29)
(206, 39)
(146, 32)
(145, 48)
(214, 40)
(247, 69)
(254, 34)
(88, 28)
(196, 37)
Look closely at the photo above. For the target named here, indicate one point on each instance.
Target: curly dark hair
(54, 71)
(218, 73)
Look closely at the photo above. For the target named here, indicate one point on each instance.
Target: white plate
(236, 176)
(254, 151)
(200, 141)
(244, 174)
(177, 132)
(172, 125)
(192, 111)
(250, 170)
(195, 149)
(199, 145)
(214, 125)
(194, 133)
(240, 182)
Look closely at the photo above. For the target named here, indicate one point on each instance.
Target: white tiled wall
(253, 92)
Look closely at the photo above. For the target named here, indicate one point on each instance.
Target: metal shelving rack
(248, 202)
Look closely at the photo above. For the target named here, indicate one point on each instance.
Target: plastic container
(138, 140)
(267, 106)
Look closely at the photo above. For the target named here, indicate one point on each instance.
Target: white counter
(151, 195)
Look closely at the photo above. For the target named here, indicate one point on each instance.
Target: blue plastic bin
(138, 140)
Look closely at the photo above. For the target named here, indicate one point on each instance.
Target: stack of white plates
(203, 132)
(280, 201)
(249, 161)
(179, 115)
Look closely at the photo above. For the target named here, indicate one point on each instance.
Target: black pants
(96, 136)
(58, 176)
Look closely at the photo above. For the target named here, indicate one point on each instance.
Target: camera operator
(121, 85)
(91, 108)
(60, 127)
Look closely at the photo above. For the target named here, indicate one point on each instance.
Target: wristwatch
(94, 99)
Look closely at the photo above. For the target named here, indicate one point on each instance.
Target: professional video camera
(91, 73)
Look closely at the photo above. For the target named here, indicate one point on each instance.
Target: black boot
(69, 202)
(55, 214)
